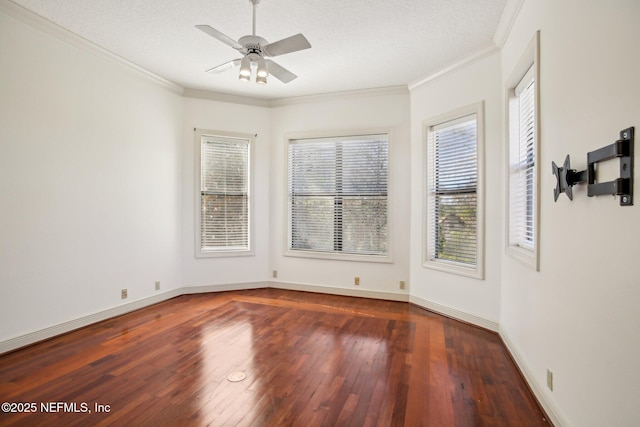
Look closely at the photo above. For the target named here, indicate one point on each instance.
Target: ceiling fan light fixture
(262, 68)
(245, 68)
(254, 50)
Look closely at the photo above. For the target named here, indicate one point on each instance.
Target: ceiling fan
(255, 49)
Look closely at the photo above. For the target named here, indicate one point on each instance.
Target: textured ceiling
(356, 44)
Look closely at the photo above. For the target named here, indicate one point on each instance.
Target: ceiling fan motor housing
(253, 44)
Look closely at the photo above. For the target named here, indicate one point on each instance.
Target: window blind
(337, 190)
(453, 185)
(224, 194)
(522, 168)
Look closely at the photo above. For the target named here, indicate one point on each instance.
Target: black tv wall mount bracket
(566, 177)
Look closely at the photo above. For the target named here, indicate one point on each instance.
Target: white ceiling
(356, 44)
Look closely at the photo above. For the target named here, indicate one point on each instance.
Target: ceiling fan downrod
(255, 4)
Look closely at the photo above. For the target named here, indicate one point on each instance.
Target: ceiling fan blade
(218, 35)
(224, 67)
(279, 72)
(288, 45)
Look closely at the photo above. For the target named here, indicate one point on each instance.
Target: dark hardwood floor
(310, 360)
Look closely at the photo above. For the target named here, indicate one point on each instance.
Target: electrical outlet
(356, 281)
(157, 285)
(124, 294)
(401, 284)
(275, 274)
(550, 379)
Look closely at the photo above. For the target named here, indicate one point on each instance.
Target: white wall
(374, 110)
(223, 116)
(477, 82)
(89, 182)
(579, 315)
(97, 194)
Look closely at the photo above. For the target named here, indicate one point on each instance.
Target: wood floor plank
(310, 359)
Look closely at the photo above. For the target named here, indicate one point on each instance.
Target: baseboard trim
(456, 314)
(50, 332)
(203, 289)
(554, 414)
(62, 328)
(362, 293)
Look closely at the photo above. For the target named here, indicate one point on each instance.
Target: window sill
(528, 257)
(454, 268)
(223, 254)
(337, 256)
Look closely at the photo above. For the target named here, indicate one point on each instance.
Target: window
(522, 170)
(337, 196)
(454, 214)
(523, 160)
(223, 188)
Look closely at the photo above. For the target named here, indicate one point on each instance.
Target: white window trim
(330, 255)
(199, 133)
(529, 60)
(476, 272)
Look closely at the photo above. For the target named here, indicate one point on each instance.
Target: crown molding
(507, 19)
(225, 97)
(332, 96)
(27, 17)
(477, 56)
(11, 9)
(34, 20)
(280, 102)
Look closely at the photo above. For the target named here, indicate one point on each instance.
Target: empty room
(319, 213)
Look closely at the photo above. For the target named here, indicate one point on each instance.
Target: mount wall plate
(566, 177)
